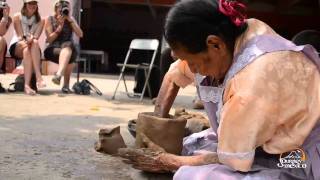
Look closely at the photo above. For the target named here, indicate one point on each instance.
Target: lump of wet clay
(195, 121)
(166, 133)
(110, 140)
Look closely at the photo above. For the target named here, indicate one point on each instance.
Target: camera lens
(65, 11)
(3, 4)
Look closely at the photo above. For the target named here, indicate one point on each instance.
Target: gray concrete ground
(51, 135)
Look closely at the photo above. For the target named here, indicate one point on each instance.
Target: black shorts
(52, 53)
(12, 50)
(3, 67)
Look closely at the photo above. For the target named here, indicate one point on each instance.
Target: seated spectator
(28, 27)
(4, 25)
(61, 48)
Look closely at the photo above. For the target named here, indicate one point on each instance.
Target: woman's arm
(52, 35)
(177, 76)
(39, 29)
(75, 26)
(166, 97)
(5, 21)
(17, 26)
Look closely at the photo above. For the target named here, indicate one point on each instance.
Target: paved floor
(51, 135)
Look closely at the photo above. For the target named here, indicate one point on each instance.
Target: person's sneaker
(56, 79)
(66, 90)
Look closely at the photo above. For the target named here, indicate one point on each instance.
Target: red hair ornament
(234, 10)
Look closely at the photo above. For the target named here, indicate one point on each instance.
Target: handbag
(85, 87)
(2, 90)
(18, 84)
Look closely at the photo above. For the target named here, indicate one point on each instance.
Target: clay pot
(167, 133)
(110, 140)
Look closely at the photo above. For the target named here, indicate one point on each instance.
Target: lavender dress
(265, 165)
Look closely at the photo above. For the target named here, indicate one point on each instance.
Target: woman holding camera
(4, 25)
(61, 49)
(28, 27)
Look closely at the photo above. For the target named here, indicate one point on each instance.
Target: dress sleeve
(180, 73)
(265, 105)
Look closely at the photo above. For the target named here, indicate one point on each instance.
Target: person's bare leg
(36, 59)
(27, 65)
(22, 51)
(64, 59)
(67, 75)
(2, 50)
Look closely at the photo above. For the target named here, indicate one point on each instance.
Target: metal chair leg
(148, 84)
(115, 91)
(125, 86)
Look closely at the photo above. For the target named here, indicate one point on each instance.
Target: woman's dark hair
(1, 13)
(24, 12)
(308, 37)
(189, 23)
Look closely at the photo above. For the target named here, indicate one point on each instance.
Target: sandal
(56, 79)
(66, 90)
(2, 90)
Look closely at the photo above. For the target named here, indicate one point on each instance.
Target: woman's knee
(35, 43)
(19, 48)
(67, 49)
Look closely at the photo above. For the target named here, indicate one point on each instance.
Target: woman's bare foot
(41, 83)
(29, 91)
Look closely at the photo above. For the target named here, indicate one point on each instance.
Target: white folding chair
(138, 44)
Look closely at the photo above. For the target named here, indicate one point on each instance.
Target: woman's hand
(69, 19)
(29, 39)
(61, 20)
(147, 160)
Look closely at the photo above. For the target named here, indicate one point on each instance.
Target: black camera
(3, 4)
(64, 8)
